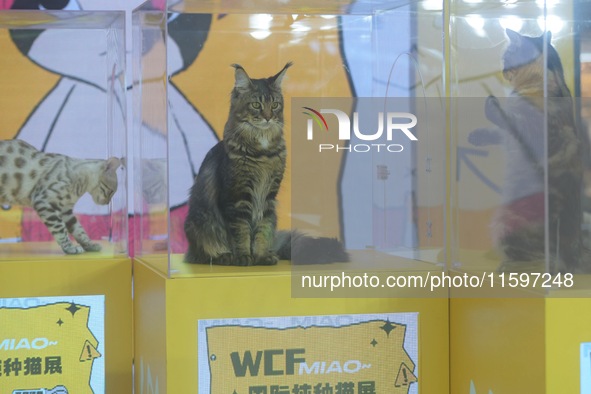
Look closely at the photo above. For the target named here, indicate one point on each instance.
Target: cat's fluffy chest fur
(254, 153)
(263, 165)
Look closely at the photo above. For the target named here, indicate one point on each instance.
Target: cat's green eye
(256, 105)
(275, 105)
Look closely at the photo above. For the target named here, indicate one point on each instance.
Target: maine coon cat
(232, 218)
(519, 223)
(52, 184)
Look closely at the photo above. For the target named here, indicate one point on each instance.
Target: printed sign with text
(352, 354)
(52, 345)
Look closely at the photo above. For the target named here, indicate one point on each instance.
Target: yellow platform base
(518, 345)
(360, 261)
(168, 314)
(50, 250)
(66, 322)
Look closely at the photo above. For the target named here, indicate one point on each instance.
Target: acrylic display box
(63, 91)
(380, 192)
(521, 164)
(386, 207)
(530, 338)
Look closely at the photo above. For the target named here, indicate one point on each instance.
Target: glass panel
(63, 93)
(342, 50)
(150, 130)
(520, 161)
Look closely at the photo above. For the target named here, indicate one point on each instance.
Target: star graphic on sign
(373, 342)
(73, 309)
(388, 327)
(59, 322)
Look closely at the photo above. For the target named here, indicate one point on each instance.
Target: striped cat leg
(75, 228)
(263, 237)
(240, 232)
(50, 215)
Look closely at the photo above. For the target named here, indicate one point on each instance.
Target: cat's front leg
(51, 217)
(263, 238)
(75, 228)
(261, 249)
(506, 116)
(240, 232)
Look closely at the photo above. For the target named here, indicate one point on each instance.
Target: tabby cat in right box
(232, 217)
(519, 224)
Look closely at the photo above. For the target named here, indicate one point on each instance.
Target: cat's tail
(303, 249)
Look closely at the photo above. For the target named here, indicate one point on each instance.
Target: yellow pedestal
(168, 311)
(518, 345)
(50, 313)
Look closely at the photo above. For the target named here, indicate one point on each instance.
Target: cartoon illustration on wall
(70, 115)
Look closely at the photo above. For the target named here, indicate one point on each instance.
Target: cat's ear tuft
(513, 35)
(242, 78)
(277, 78)
(113, 164)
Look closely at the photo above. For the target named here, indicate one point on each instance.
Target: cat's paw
(243, 260)
(223, 259)
(268, 259)
(232, 259)
(92, 247)
(484, 137)
(72, 249)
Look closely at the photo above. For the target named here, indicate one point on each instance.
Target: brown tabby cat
(52, 184)
(232, 217)
(519, 224)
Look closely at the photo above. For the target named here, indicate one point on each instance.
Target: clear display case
(63, 92)
(378, 189)
(519, 120)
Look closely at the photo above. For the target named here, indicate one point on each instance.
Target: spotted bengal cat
(51, 184)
